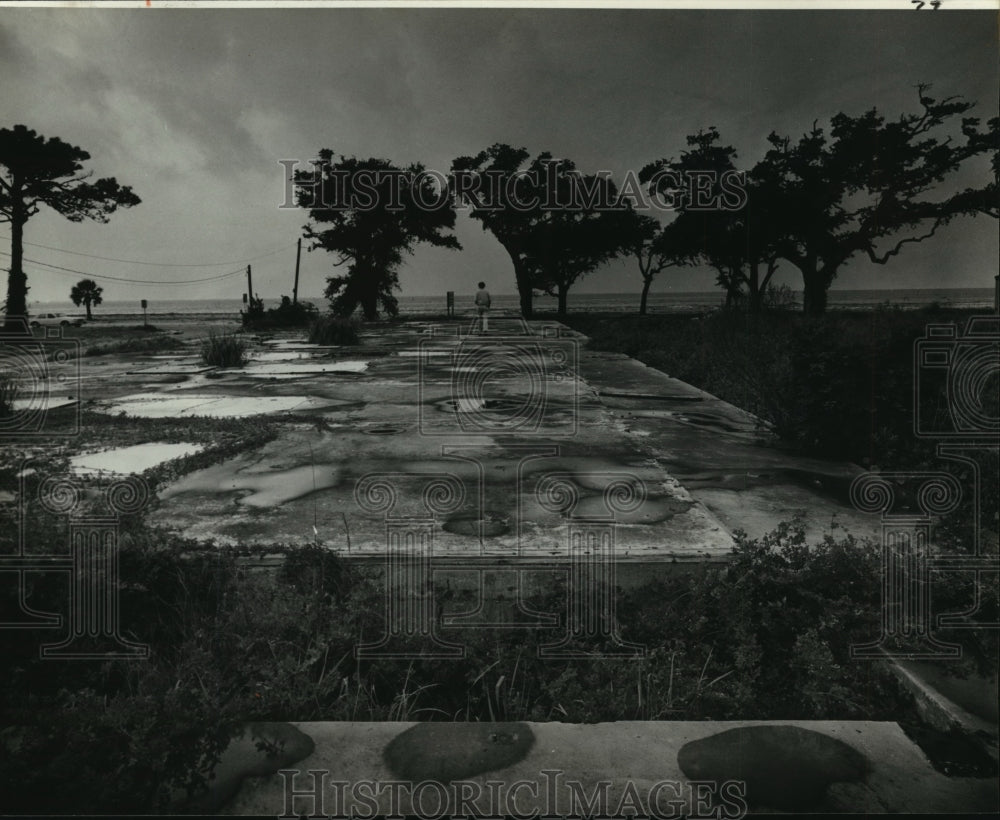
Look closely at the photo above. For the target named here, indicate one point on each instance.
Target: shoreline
(424, 315)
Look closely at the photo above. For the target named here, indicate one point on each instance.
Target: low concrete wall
(667, 769)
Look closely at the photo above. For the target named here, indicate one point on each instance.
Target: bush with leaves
(334, 330)
(766, 636)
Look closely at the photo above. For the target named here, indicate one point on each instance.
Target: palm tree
(86, 292)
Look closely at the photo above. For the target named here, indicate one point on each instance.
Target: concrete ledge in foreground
(667, 769)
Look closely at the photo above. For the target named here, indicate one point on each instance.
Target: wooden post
(298, 257)
(144, 322)
(450, 302)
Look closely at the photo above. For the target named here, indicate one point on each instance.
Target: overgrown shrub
(838, 386)
(766, 636)
(286, 314)
(224, 350)
(334, 330)
(780, 297)
(9, 389)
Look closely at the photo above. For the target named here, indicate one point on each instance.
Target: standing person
(483, 305)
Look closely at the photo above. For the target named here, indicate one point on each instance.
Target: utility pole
(249, 285)
(298, 257)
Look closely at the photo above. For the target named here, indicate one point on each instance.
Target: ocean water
(578, 303)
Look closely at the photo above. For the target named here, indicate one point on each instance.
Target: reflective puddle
(182, 367)
(488, 525)
(408, 353)
(135, 459)
(293, 368)
(269, 489)
(444, 752)
(289, 355)
(159, 406)
(286, 344)
(783, 767)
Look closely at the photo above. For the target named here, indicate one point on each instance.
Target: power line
(133, 281)
(158, 264)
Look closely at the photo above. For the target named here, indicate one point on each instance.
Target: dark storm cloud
(195, 108)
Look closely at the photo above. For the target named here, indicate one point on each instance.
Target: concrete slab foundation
(668, 769)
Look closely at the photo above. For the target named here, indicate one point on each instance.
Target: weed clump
(334, 330)
(9, 388)
(224, 350)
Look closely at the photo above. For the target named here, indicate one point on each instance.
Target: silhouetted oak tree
(555, 223)
(566, 242)
(870, 187)
(370, 212)
(36, 171)
(498, 170)
(724, 218)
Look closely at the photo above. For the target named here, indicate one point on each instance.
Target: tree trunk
(755, 299)
(562, 292)
(89, 317)
(646, 282)
(17, 282)
(369, 306)
(814, 286)
(524, 288)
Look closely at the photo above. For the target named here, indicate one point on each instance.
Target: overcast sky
(194, 109)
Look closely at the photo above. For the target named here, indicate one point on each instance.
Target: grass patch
(334, 330)
(224, 350)
(838, 386)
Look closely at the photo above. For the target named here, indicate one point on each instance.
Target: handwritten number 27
(920, 4)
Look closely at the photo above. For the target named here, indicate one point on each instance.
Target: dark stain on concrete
(490, 524)
(455, 751)
(954, 753)
(784, 767)
(259, 751)
(383, 430)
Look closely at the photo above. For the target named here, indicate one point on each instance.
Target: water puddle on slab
(444, 752)
(159, 406)
(498, 406)
(270, 489)
(290, 344)
(289, 355)
(271, 369)
(383, 429)
(135, 459)
(179, 367)
(460, 405)
(489, 525)
(784, 767)
(41, 402)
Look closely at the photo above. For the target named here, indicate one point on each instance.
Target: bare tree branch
(881, 260)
